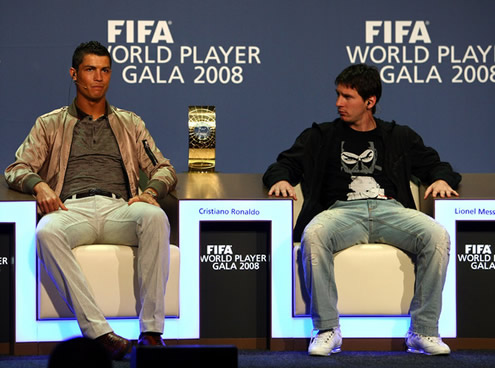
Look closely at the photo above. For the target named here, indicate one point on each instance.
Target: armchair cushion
(110, 272)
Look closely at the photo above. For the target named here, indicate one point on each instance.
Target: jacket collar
(383, 126)
(79, 114)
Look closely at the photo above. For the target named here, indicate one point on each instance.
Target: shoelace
(433, 339)
(325, 336)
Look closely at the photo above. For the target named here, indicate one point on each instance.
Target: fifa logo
(139, 31)
(399, 31)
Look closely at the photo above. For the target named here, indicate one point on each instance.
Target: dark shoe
(116, 346)
(150, 339)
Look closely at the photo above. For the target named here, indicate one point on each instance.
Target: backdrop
(267, 66)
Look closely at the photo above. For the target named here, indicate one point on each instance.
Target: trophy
(202, 129)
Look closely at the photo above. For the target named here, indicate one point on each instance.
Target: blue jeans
(348, 223)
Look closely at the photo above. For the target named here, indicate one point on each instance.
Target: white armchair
(110, 272)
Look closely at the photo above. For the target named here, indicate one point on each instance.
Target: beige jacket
(44, 154)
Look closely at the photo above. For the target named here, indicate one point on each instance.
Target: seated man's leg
(147, 227)
(343, 225)
(57, 234)
(419, 234)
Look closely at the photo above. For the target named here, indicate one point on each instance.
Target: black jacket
(405, 156)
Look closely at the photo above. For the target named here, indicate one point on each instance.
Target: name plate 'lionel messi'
(202, 138)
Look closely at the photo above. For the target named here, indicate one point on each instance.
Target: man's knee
(309, 235)
(438, 239)
(45, 231)
(442, 237)
(316, 234)
(315, 243)
(160, 217)
(154, 216)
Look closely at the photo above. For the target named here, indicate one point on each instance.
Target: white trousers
(104, 220)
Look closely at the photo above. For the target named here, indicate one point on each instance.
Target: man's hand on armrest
(284, 189)
(440, 188)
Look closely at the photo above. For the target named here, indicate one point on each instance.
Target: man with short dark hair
(82, 163)
(355, 174)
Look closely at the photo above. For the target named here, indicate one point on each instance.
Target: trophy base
(201, 166)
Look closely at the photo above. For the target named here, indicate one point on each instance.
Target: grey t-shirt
(95, 161)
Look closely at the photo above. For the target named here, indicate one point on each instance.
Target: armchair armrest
(7, 194)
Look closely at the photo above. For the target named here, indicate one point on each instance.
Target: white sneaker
(325, 343)
(428, 345)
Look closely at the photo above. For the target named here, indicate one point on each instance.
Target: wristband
(151, 193)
